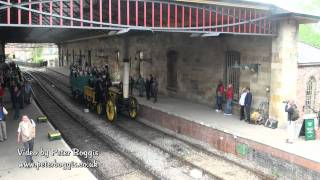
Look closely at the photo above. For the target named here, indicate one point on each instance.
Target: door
(172, 77)
(233, 74)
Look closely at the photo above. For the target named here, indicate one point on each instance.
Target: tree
(37, 55)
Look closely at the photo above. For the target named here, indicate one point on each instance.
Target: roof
(278, 12)
(16, 32)
(308, 55)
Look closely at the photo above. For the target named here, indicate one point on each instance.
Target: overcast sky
(292, 5)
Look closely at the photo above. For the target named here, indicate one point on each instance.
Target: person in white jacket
(241, 103)
(3, 127)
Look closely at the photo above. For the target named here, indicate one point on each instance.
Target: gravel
(160, 163)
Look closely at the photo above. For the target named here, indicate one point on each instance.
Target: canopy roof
(64, 20)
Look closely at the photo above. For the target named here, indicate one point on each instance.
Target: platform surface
(10, 159)
(231, 124)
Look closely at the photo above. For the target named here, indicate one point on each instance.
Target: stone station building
(189, 66)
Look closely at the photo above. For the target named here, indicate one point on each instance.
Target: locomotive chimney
(126, 68)
(126, 78)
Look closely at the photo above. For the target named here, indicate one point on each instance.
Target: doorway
(172, 75)
(233, 74)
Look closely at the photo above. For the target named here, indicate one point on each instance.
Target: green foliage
(308, 35)
(37, 55)
(275, 173)
(307, 32)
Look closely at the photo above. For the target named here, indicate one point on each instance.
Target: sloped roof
(308, 55)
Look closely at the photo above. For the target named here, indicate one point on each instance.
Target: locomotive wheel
(133, 108)
(99, 108)
(111, 110)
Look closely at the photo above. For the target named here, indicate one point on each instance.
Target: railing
(125, 15)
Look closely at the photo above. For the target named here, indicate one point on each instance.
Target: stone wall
(284, 69)
(304, 74)
(200, 61)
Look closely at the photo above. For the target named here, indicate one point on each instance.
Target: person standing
(27, 92)
(26, 135)
(3, 128)
(141, 85)
(148, 87)
(242, 104)
(247, 105)
(131, 85)
(219, 95)
(21, 98)
(289, 108)
(154, 87)
(151, 82)
(17, 99)
(11, 90)
(229, 97)
(2, 91)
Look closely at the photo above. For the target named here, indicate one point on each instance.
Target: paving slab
(10, 160)
(206, 116)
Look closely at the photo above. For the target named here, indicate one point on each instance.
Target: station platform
(11, 163)
(266, 146)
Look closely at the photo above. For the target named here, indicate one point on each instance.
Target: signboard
(309, 129)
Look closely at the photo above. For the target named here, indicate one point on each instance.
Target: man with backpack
(293, 115)
(26, 135)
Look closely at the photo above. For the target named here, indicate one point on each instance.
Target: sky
(291, 5)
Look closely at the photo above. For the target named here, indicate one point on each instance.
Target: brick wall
(304, 74)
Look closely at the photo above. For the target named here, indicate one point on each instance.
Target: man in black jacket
(149, 81)
(247, 105)
(291, 123)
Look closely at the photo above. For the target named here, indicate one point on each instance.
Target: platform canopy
(63, 20)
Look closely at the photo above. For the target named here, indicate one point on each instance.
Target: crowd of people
(20, 93)
(245, 101)
(100, 80)
(149, 85)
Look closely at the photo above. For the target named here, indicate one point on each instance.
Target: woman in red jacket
(229, 97)
(219, 94)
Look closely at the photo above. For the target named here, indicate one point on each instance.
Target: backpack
(295, 113)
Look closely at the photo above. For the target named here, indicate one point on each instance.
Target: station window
(232, 75)
(310, 94)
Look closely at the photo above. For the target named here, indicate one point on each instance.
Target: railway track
(161, 164)
(184, 151)
(81, 138)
